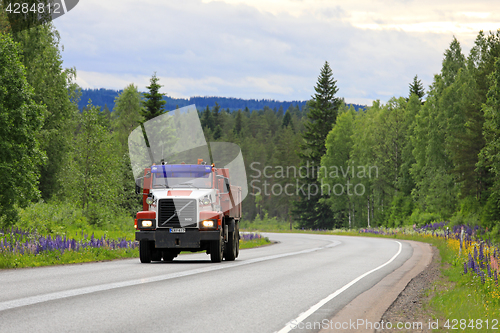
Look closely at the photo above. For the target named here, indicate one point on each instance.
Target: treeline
(412, 161)
(106, 98)
(431, 156)
(50, 152)
(434, 155)
(54, 154)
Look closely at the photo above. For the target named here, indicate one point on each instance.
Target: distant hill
(101, 97)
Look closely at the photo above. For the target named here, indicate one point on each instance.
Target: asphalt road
(267, 289)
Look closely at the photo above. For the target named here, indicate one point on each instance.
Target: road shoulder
(371, 305)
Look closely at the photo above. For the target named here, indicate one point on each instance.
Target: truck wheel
(145, 251)
(237, 234)
(233, 245)
(216, 249)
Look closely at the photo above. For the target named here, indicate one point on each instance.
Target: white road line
(293, 323)
(6, 305)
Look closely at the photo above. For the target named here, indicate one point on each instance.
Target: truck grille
(186, 218)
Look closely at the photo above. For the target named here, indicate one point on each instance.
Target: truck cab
(188, 207)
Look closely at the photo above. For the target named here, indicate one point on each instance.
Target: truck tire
(145, 251)
(217, 249)
(232, 246)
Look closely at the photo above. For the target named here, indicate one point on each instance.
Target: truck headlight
(207, 224)
(149, 200)
(147, 223)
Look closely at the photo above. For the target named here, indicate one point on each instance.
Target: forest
(433, 155)
(105, 98)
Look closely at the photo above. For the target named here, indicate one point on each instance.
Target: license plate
(177, 230)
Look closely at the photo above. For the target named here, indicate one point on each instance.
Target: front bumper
(191, 239)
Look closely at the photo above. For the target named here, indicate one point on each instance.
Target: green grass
(266, 225)
(254, 243)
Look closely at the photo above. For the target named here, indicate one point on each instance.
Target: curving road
(268, 289)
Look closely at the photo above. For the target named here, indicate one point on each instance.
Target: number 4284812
(40, 8)
(463, 324)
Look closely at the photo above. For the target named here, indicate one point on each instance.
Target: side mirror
(137, 187)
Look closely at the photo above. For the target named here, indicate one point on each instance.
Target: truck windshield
(163, 182)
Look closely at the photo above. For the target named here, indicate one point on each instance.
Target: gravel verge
(412, 304)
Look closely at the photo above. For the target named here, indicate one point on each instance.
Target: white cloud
(266, 49)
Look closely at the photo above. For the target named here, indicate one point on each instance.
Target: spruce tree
(215, 116)
(417, 88)
(154, 103)
(311, 209)
(238, 123)
(287, 120)
(207, 119)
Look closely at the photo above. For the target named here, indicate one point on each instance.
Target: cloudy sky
(267, 48)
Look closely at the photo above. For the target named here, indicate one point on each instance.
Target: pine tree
(417, 88)
(310, 210)
(287, 120)
(217, 132)
(280, 112)
(238, 123)
(207, 119)
(215, 116)
(154, 103)
(323, 109)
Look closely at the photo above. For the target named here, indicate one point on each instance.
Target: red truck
(188, 207)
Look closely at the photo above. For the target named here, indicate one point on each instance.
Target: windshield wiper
(161, 186)
(189, 184)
